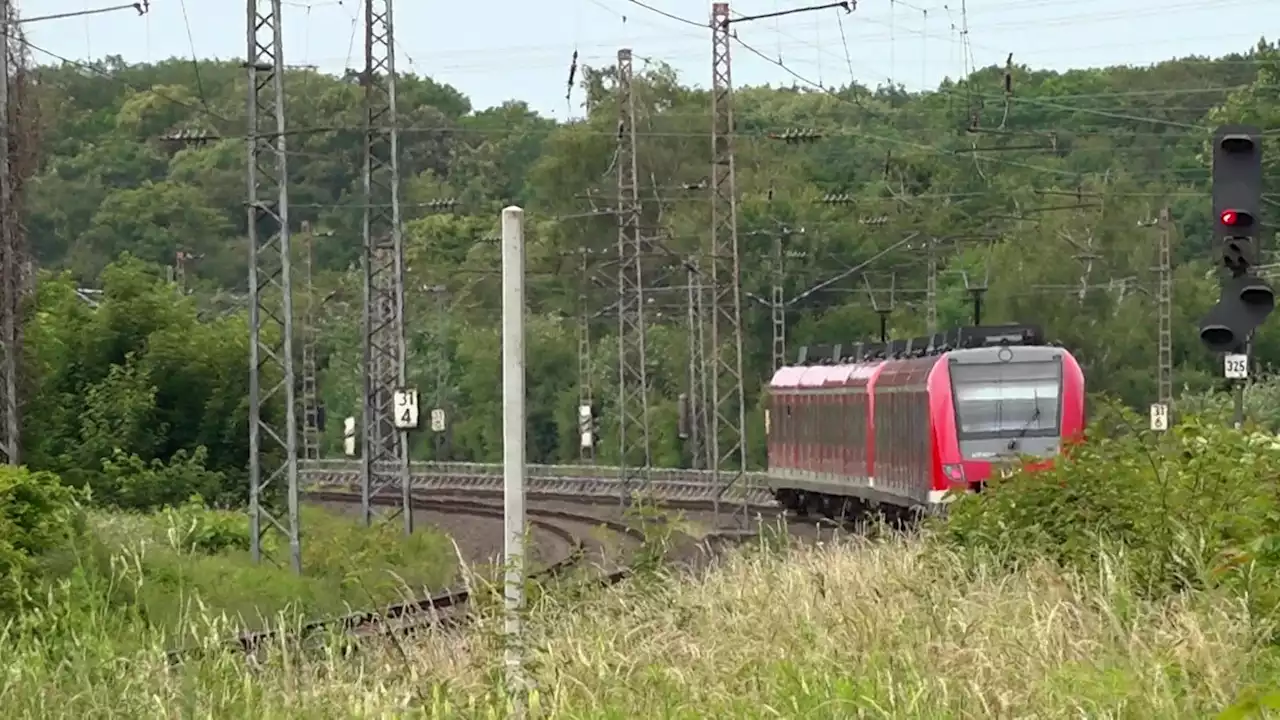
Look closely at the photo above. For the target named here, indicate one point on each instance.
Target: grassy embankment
(1137, 579)
(887, 629)
(178, 568)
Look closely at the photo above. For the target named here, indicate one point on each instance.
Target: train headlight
(954, 471)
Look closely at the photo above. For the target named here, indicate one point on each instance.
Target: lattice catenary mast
(273, 445)
(310, 394)
(587, 446)
(633, 397)
(1164, 358)
(728, 406)
(698, 423)
(931, 291)
(385, 453)
(777, 304)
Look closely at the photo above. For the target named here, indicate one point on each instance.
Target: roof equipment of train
(963, 338)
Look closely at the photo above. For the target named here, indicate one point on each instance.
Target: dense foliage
(1194, 509)
(38, 516)
(1046, 200)
(137, 397)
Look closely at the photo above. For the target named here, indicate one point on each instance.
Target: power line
(142, 8)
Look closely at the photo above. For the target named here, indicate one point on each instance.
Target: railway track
(446, 609)
(449, 608)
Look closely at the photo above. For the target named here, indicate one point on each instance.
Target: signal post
(1246, 299)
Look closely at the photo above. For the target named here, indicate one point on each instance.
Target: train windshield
(1007, 400)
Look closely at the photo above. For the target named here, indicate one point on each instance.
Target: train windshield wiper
(1035, 415)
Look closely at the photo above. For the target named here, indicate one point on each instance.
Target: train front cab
(994, 406)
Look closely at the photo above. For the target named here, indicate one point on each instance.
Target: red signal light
(1236, 218)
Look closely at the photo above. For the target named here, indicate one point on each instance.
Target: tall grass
(895, 628)
(177, 568)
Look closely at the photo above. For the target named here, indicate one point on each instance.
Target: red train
(899, 424)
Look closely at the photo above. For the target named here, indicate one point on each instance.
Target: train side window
(846, 431)
(826, 427)
(823, 437)
(815, 409)
(905, 445)
(860, 433)
(807, 429)
(882, 434)
(787, 431)
(897, 436)
(819, 431)
(852, 433)
(778, 420)
(801, 427)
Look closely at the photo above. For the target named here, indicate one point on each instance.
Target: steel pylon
(385, 452)
(728, 412)
(634, 457)
(273, 441)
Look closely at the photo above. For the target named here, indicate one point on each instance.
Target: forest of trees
(1047, 195)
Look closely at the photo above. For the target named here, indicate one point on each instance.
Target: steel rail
(434, 609)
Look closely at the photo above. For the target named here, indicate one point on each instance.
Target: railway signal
(1246, 299)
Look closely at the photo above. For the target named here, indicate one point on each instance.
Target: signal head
(1245, 303)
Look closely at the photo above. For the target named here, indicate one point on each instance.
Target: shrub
(1261, 404)
(38, 514)
(195, 528)
(1197, 507)
(131, 482)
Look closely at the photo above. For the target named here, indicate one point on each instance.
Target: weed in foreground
(178, 566)
(855, 628)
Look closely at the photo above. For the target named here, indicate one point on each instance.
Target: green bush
(1198, 507)
(38, 514)
(195, 528)
(1261, 404)
(131, 482)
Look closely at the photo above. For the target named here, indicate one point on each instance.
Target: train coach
(901, 424)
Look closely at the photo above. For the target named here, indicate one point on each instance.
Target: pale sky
(504, 49)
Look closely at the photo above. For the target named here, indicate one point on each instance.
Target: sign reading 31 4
(406, 409)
